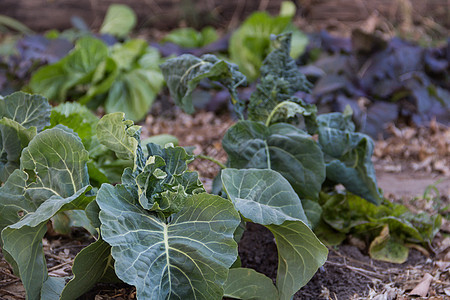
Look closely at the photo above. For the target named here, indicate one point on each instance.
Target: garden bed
(349, 272)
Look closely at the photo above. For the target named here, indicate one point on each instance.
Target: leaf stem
(221, 165)
(272, 113)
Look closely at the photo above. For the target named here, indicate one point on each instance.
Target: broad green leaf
(334, 128)
(51, 81)
(186, 257)
(117, 134)
(27, 110)
(23, 115)
(119, 20)
(58, 159)
(247, 284)
(103, 77)
(191, 38)
(300, 254)
(92, 211)
(250, 44)
(386, 248)
(349, 156)
(134, 93)
(13, 139)
(54, 204)
(89, 267)
(88, 53)
(25, 247)
(83, 121)
(262, 196)
(184, 73)
(280, 147)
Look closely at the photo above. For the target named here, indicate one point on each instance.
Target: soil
(348, 273)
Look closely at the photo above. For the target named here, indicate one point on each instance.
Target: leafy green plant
(182, 75)
(389, 227)
(250, 43)
(266, 140)
(338, 155)
(124, 77)
(191, 38)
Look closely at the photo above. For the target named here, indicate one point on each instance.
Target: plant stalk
(221, 165)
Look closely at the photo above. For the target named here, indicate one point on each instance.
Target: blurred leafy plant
(124, 77)
(191, 38)
(250, 43)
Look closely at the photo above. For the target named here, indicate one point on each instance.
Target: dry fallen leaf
(443, 265)
(422, 288)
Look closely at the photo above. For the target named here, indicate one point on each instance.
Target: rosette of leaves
(124, 77)
(171, 240)
(22, 117)
(168, 237)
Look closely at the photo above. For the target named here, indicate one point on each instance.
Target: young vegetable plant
(124, 77)
(278, 135)
(172, 240)
(266, 141)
